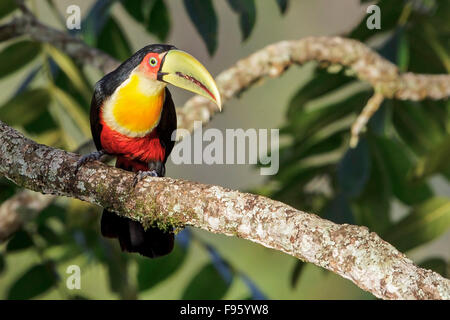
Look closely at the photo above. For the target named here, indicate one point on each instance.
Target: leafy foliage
(151, 272)
(427, 221)
(33, 282)
(405, 143)
(6, 7)
(247, 15)
(200, 286)
(204, 17)
(51, 105)
(152, 14)
(404, 146)
(20, 241)
(18, 55)
(438, 265)
(26, 107)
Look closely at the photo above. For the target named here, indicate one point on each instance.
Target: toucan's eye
(153, 61)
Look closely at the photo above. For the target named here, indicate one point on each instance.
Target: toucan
(133, 118)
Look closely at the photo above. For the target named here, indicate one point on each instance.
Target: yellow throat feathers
(135, 107)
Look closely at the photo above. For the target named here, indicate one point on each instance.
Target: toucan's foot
(88, 158)
(142, 174)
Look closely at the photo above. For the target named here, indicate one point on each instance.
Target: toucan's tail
(151, 243)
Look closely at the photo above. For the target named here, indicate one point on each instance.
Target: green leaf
(389, 49)
(439, 111)
(7, 189)
(207, 284)
(203, 16)
(136, 9)
(416, 126)
(308, 122)
(247, 15)
(282, 5)
(398, 163)
(25, 108)
(37, 280)
(52, 211)
(440, 11)
(296, 176)
(2, 263)
(153, 14)
(372, 207)
(117, 266)
(403, 53)
(354, 170)
(428, 49)
(17, 55)
(329, 138)
(20, 241)
(312, 108)
(390, 14)
(73, 109)
(113, 41)
(43, 123)
(95, 20)
(435, 161)
(426, 222)
(436, 264)
(72, 137)
(159, 20)
(70, 69)
(320, 84)
(78, 297)
(154, 271)
(6, 7)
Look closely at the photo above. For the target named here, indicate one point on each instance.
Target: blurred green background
(395, 181)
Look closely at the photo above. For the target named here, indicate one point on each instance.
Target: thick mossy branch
(350, 251)
(269, 62)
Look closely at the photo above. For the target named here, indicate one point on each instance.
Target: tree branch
(350, 251)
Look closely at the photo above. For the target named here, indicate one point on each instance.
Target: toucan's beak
(183, 70)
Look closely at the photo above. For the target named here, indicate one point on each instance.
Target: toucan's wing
(105, 88)
(167, 124)
(96, 104)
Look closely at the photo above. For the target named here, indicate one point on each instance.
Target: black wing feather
(96, 103)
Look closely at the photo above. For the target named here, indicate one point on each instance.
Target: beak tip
(219, 105)
(217, 99)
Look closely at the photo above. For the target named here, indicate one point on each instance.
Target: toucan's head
(167, 64)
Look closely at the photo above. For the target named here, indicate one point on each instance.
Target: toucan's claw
(142, 174)
(88, 158)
